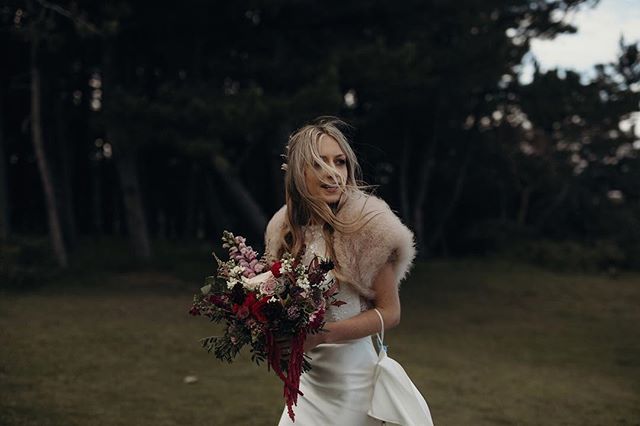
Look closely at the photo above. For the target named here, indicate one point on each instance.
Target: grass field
(486, 341)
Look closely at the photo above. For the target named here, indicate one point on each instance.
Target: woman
(327, 213)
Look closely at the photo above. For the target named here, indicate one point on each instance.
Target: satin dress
(338, 388)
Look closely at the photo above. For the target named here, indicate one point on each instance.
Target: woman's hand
(314, 340)
(310, 342)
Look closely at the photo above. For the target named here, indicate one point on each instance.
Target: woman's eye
(341, 162)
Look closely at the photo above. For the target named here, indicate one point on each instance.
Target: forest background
(167, 123)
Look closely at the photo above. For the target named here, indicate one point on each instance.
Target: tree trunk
(5, 226)
(243, 199)
(97, 218)
(502, 193)
(55, 230)
(66, 186)
(555, 204)
(191, 203)
(162, 226)
(525, 196)
(124, 158)
(127, 171)
(403, 180)
(424, 180)
(218, 216)
(455, 197)
(117, 200)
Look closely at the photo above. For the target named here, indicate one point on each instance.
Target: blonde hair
(302, 208)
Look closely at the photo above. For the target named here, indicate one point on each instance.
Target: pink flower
(269, 286)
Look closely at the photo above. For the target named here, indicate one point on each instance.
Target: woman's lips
(330, 188)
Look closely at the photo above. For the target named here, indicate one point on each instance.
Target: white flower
(286, 266)
(301, 269)
(273, 299)
(303, 282)
(236, 271)
(232, 281)
(257, 281)
(328, 281)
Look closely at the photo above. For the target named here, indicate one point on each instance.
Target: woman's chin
(331, 199)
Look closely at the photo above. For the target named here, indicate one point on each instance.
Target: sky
(596, 42)
(597, 39)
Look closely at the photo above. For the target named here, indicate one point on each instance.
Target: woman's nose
(329, 174)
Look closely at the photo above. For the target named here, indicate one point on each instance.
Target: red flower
(275, 269)
(218, 301)
(249, 300)
(257, 309)
(242, 311)
(251, 306)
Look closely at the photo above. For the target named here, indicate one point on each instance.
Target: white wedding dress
(339, 387)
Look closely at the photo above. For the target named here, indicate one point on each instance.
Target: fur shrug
(360, 254)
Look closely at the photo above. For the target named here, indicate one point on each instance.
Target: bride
(328, 213)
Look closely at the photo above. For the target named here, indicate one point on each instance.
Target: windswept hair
(302, 208)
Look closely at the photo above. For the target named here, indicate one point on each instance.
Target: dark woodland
(166, 122)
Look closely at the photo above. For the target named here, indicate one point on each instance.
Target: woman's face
(333, 156)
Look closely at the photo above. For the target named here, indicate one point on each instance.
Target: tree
(35, 33)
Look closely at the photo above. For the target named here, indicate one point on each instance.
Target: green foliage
(222, 347)
(437, 106)
(25, 263)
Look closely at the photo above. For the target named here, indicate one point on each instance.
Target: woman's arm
(366, 323)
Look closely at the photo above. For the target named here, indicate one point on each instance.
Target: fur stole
(360, 254)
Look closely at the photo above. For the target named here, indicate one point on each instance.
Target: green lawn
(486, 341)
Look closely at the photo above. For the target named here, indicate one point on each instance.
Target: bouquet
(271, 308)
